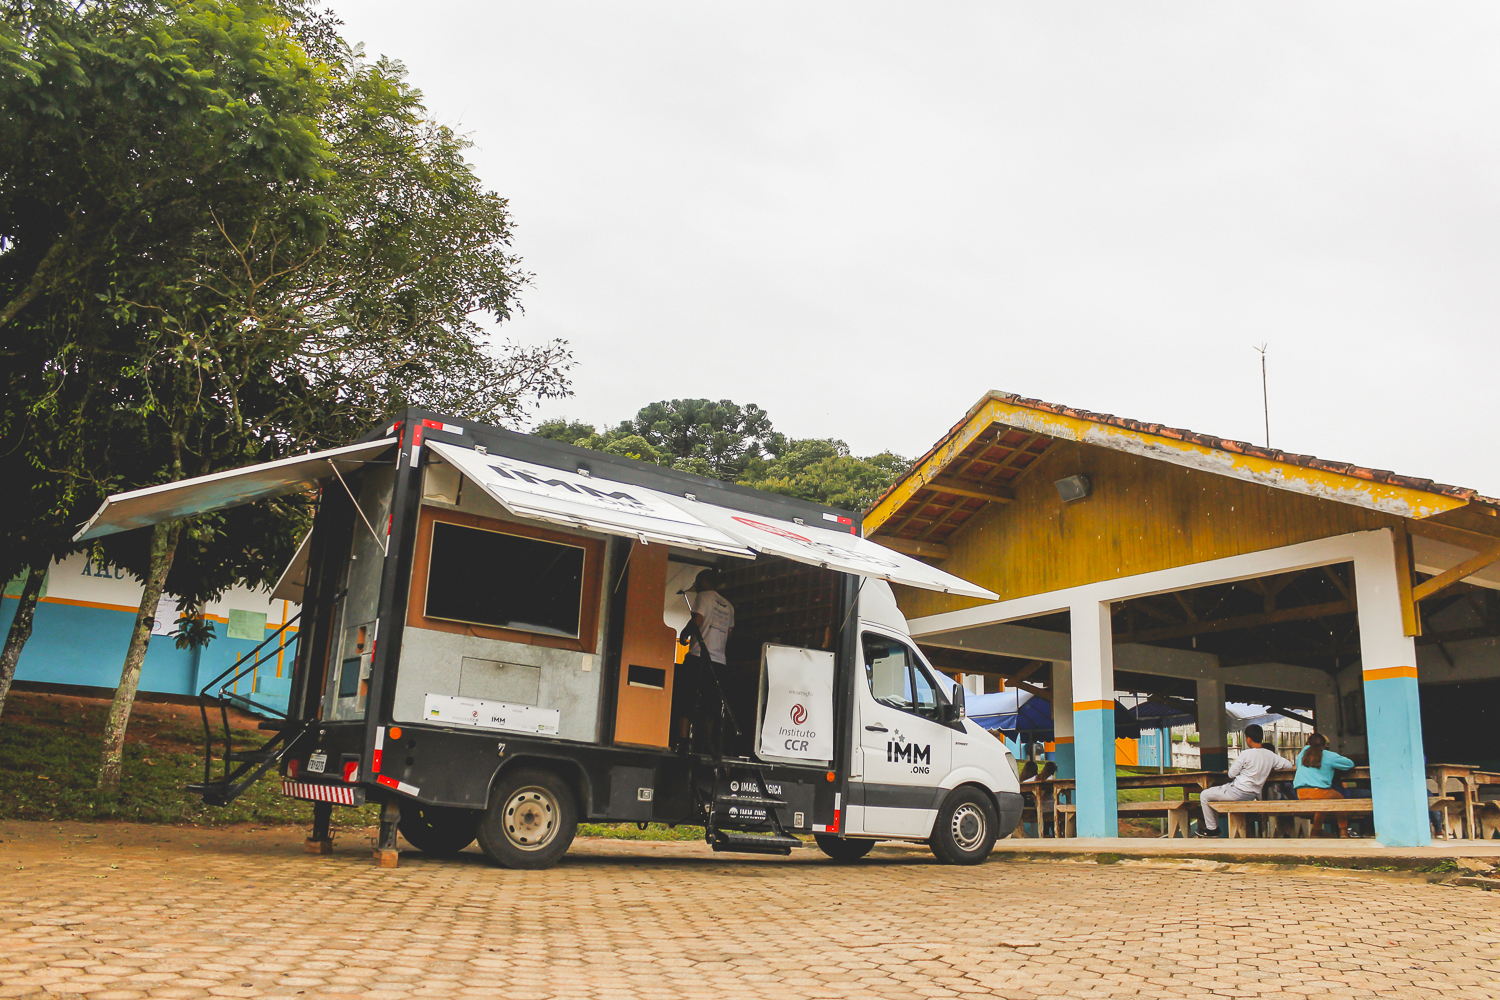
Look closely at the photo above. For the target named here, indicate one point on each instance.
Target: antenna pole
(1265, 397)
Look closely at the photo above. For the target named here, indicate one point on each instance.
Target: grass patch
(49, 764)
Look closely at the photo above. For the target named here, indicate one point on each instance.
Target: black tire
(965, 829)
(441, 831)
(841, 849)
(530, 821)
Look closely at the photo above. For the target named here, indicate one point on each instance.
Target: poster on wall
(797, 710)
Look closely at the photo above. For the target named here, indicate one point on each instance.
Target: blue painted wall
(72, 644)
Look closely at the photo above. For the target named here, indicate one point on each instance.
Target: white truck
(489, 645)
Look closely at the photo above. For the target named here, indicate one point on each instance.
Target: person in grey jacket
(1247, 777)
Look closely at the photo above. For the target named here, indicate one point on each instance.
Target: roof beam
(1240, 621)
(971, 488)
(1449, 577)
(1462, 537)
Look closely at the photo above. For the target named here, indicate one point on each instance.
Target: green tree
(285, 315)
(823, 470)
(743, 439)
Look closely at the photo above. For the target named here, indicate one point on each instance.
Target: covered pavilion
(1133, 556)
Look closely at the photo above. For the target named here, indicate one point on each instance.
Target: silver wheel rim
(968, 827)
(530, 817)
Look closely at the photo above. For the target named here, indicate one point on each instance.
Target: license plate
(317, 763)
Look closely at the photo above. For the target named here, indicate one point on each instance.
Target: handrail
(248, 664)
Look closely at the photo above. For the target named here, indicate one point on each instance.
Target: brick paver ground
(184, 913)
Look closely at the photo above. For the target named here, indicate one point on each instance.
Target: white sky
(862, 216)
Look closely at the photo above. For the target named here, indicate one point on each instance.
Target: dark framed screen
(505, 581)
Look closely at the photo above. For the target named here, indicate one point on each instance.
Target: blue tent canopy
(1014, 711)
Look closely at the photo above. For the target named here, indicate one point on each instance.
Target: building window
(500, 580)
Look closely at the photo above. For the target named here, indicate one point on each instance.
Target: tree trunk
(163, 547)
(20, 629)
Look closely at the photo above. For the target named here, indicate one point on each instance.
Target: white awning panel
(836, 550)
(221, 490)
(566, 498)
(293, 581)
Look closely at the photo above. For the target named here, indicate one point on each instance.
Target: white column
(1393, 717)
(1213, 752)
(1094, 719)
(1062, 718)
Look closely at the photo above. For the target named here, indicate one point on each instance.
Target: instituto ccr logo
(799, 714)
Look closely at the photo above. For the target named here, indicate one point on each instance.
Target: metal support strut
(321, 841)
(386, 854)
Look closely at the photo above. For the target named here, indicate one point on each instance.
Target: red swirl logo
(799, 715)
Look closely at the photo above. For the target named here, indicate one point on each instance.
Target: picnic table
(1064, 816)
(1468, 777)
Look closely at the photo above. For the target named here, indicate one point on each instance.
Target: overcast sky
(863, 216)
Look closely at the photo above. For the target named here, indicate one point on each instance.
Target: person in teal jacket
(1314, 779)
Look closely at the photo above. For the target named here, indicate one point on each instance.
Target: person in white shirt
(707, 635)
(1247, 777)
(713, 618)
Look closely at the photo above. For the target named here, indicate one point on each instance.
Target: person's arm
(1339, 761)
(1282, 764)
(1239, 764)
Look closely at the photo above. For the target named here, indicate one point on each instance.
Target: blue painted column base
(1398, 768)
(1094, 749)
(1213, 759)
(1062, 755)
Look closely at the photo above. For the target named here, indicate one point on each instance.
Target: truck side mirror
(958, 711)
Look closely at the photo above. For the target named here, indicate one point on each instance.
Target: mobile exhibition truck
(489, 646)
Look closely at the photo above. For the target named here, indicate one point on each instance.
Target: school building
(1137, 557)
(85, 617)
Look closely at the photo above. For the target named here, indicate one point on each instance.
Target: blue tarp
(1015, 711)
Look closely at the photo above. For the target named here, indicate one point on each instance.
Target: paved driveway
(116, 912)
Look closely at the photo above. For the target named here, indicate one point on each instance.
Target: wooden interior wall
(643, 715)
(1143, 515)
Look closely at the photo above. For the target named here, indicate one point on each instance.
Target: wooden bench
(1177, 811)
(1238, 811)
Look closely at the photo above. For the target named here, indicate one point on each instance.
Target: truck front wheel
(842, 849)
(441, 831)
(965, 829)
(530, 821)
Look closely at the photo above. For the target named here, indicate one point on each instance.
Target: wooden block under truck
(489, 645)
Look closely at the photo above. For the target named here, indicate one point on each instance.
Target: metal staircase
(742, 816)
(242, 768)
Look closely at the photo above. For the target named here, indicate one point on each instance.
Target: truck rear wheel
(965, 829)
(441, 831)
(842, 849)
(530, 821)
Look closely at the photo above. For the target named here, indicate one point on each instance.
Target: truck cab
(498, 640)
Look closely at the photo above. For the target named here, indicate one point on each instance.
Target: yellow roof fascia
(1402, 501)
(979, 420)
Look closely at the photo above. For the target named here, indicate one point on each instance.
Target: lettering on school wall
(100, 568)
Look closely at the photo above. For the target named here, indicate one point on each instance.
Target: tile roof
(1229, 445)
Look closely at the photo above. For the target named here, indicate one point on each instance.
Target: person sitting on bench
(1247, 776)
(1314, 780)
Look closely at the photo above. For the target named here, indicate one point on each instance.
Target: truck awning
(567, 498)
(293, 580)
(539, 493)
(154, 504)
(836, 550)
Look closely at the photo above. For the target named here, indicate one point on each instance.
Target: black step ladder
(242, 768)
